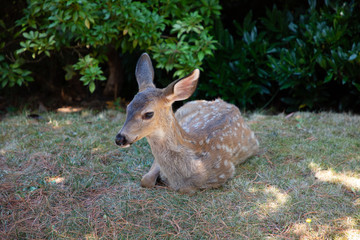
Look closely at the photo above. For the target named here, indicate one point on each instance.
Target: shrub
(90, 29)
(239, 72)
(322, 54)
(301, 59)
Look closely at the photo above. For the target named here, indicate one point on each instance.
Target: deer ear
(144, 72)
(183, 88)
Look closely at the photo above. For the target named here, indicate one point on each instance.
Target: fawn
(195, 148)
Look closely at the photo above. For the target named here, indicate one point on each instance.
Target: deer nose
(121, 140)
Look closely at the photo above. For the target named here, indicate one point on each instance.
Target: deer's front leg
(149, 179)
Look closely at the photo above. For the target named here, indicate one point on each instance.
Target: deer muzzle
(122, 140)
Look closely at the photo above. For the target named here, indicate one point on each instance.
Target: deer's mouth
(127, 143)
(123, 141)
(125, 146)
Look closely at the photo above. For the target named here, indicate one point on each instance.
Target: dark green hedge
(290, 58)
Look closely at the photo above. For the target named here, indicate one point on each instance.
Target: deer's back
(219, 130)
(220, 137)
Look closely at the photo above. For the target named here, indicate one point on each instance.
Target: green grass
(62, 177)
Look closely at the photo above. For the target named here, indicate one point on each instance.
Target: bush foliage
(303, 57)
(176, 32)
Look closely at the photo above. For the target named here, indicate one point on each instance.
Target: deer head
(150, 110)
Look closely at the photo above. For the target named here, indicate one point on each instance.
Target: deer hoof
(148, 181)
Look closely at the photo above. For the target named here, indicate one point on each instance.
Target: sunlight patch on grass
(301, 229)
(69, 109)
(352, 231)
(352, 234)
(333, 177)
(91, 236)
(56, 179)
(275, 198)
(278, 198)
(271, 203)
(350, 222)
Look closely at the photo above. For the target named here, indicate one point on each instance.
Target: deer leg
(149, 179)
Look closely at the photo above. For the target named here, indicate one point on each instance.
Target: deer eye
(148, 115)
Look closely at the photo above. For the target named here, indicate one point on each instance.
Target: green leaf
(329, 77)
(75, 16)
(21, 50)
(27, 35)
(135, 43)
(201, 56)
(70, 73)
(92, 87)
(353, 57)
(357, 85)
(4, 83)
(293, 27)
(87, 23)
(19, 81)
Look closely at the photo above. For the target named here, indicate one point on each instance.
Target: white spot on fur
(197, 124)
(226, 163)
(252, 135)
(206, 117)
(232, 169)
(217, 165)
(227, 148)
(222, 176)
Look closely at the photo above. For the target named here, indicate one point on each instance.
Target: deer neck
(169, 137)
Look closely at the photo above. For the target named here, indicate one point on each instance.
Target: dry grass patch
(62, 177)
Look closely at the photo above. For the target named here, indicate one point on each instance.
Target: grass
(62, 177)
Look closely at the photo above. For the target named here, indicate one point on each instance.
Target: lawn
(63, 177)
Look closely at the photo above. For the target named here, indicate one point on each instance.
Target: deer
(195, 148)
